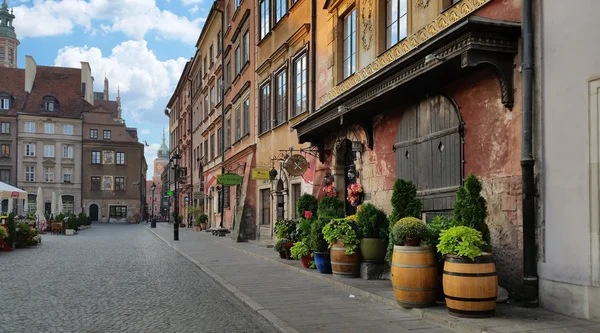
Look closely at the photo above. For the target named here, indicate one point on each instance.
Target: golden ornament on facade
(367, 21)
(423, 3)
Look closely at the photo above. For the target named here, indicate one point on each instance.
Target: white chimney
(30, 71)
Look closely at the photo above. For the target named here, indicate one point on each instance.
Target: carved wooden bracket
(367, 125)
(502, 64)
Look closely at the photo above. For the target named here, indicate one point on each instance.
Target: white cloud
(191, 2)
(194, 10)
(146, 132)
(132, 67)
(134, 18)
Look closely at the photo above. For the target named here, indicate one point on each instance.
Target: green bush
(72, 222)
(372, 222)
(316, 241)
(345, 230)
(203, 218)
(470, 208)
(408, 228)
(404, 204)
(299, 250)
(331, 208)
(12, 230)
(279, 245)
(3, 233)
(285, 229)
(436, 226)
(306, 202)
(23, 235)
(461, 241)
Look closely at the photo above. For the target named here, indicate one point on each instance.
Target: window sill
(240, 139)
(294, 5)
(282, 19)
(298, 115)
(260, 42)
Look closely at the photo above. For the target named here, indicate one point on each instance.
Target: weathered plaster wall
(504, 10)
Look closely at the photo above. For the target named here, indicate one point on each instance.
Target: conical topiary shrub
(404, 204)
(470, 208)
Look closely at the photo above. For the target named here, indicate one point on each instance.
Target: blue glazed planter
(323, 262)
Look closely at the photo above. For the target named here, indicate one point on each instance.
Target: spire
(163, 134)
(105, 87)
(8, 37)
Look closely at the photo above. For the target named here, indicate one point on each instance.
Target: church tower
(161, 160)
(8, 38)
(105, 88)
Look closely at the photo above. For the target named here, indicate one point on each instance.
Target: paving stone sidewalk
(300, 300)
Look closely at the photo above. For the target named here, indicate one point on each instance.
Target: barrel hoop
(480, 313)
(424, 249)
(344, 263)
(463, 299)
(413, 265)
(470, 274)
(415, 305)
(478, 260)
(344, 273)
(413, 289)
(338, 248)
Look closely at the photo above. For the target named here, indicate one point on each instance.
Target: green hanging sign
(230, 179)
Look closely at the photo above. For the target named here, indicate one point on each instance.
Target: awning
(8, 191)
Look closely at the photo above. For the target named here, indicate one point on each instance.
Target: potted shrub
(203, 218)
(71, 226)
(434, 228)
(404, 204)
(373, 227)
(3, 237)
(301, 251)
(197, 225)
(24, 235)
(470, 279)
(414, 268)
(283, 246)
(316, 243)
(306, 202)
(343, 239)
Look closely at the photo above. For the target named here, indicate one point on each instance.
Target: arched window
(68, 204)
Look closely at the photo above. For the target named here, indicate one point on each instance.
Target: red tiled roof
(12, 81)
(112, 106)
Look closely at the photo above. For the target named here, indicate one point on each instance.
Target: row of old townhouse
(63, 143)
(428, 91)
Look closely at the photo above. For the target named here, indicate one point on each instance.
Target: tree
(470, 208)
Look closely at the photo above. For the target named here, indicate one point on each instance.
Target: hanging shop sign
(295, 165)
(230, 179)
(258, 173)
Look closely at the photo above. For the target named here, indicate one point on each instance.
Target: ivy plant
(299, 250)
(342, 229)
(281, 244)
(461, 241)
(372, 221)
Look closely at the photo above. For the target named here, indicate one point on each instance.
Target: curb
(277, 322)
(446, 322)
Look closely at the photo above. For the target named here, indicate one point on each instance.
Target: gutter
(313, 55)
(222, 201)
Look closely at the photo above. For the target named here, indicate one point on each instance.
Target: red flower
(307, 214)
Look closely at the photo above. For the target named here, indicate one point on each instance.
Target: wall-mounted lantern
(329, 179)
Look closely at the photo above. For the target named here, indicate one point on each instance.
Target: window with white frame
(265, 14)
(119, 183)
(237, 60)
(49, 128)
(236, 4)
(29, 173)
(300, 85)
(5, 128)
(93, 134)
(107, 135)
(396, 26)
(219, 89)
(30, 127)
(49, 175)
(5, 176)
(281, 97)
(238, 123)
(265, 107)
(246, 41)
(228, 132)
(96, 157)
(4, 104)
(120, 158)
(280, 8)
(48, 150)
(5, 150)
(68, 151)
(49, 106)
(68, 129)
(246, 116)
(212, 98)
(67, 175)
(30, 149)
(349, 54)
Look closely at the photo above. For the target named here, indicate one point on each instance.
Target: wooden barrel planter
(414, 276)
(470, 286)
(343, 264)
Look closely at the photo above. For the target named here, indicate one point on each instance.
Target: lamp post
(152, 219)
(175, 160)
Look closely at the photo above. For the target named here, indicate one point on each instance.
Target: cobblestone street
(114, 278)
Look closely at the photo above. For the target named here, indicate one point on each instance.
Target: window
(206, 111)
(4, 104)
(265, 14)
(212, 55)
(10, 55)
(212, 98)
(228, 75)
(219, 136)
(265, 107)
(5, 128)
(49, 128)
(228, 132)
(212, 147)
(49, 175)
(296, 193)
(67, 151)
(29, 127)
(238, 123)
(206, 149)
(281, 97)
(396, 25)
(1, 54)
(300, 86)
(246, 41)
(236, 4)
(280, 8)
(237, 60)
(5, 150)
(49, 106)
(93, 134)
(247, 116)
(30, 149)
(68, 129)
(96, 183)
(349, 54)
(5, 176)
(219, 89)
(96, 157)
(117, 211)
(68, 204)
(107, 135)
(48, 150)
(30, 174)
(266, 207)
(120, 158)
(227, 197)
(205, 66)
(219, 44)
(67, 175)
(119, 183)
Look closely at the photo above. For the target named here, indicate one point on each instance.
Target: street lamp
(152, 220)
(175, 160)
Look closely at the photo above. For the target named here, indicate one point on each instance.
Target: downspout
(530, 274)
(190, 150)
(222, 201)
(313, 55)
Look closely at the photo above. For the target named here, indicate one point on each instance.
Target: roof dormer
(50, 104)
(6, 101)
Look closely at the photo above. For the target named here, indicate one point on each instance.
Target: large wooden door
(429, 152)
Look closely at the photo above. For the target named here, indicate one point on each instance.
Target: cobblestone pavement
(114, 278)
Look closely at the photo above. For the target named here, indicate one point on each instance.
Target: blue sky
(141, 45)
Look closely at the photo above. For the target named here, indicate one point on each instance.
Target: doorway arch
(93, 213)
(280, 202)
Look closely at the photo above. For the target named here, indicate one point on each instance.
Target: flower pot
(70, 232)
(414, 276)
(288, 254)
(282, 254)
(470, 286)
(412, 242)
(203, 226)
(197, 228)
(323, 262)
(342, 264)
(372, 250)
(306, 261)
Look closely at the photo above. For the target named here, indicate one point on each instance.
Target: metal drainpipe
(190, 150)
(530, 274)
(313, 54)
(222, 201)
